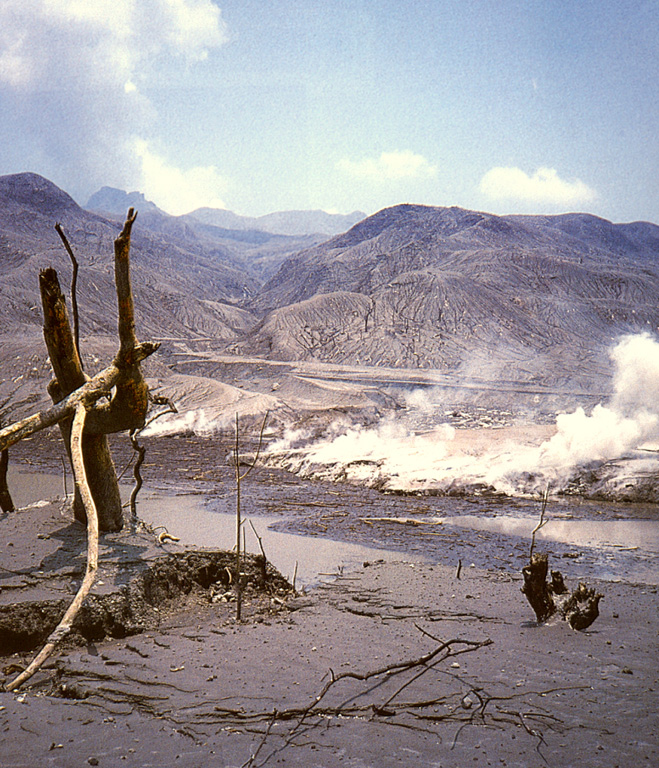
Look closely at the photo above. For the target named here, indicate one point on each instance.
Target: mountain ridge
(111, 200)
(453, 289)
(536, 300)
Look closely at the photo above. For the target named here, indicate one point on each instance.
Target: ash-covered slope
(527, 299)
(181, 289)
(250, 245)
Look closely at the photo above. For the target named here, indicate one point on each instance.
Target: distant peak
(117, 201)
(35, 191)
(291, 223)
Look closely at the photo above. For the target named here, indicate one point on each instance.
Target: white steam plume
(631, 418)
(508, 460)
(195, 421)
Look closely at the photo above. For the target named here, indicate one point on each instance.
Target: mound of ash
(144, 601)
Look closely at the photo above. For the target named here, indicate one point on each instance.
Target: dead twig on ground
(302, 715)
(240, 476)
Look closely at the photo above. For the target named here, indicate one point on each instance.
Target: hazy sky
(263, 105)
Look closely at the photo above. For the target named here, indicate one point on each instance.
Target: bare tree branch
(64, 627)
(141, 453)
(541, 523)
(88, 394)
(74, 283)
(443, 651)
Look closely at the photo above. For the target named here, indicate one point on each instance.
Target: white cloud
(389, 166)
(116, 36)
(545, 186)
(77, 70)
(177, 191)
(192, 26)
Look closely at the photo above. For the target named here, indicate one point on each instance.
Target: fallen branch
(442, 652)
(64, 627)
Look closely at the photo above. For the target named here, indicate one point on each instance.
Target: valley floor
(202, 690)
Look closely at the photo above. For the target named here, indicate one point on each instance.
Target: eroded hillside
(502, 303)
(531, 299)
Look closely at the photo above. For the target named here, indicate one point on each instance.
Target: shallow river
(614, 549)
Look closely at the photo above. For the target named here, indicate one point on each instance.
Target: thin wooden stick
(64, 627)
(258, 449)
(141, 453)
(239, 524)
(137, 475)
(74, 295)
(66, 490)
(542, 522)
(239, 477)
(259, 539)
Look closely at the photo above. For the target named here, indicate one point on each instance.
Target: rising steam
(510, 460)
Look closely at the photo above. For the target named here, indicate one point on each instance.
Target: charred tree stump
(549, 598)
(6, 502)
(582, 607)
(536, 588)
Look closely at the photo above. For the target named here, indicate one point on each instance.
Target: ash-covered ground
(200, 689)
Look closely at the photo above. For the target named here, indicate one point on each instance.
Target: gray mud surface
(196, 689)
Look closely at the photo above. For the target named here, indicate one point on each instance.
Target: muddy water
(327, 527)
(624, 534)
(196, 521)
(306, 559)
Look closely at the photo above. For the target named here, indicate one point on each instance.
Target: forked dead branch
(83, 420)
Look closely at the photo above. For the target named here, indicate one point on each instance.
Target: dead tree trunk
(69, 376)
(6, 502)
(538, 591)
(548, 598)
(128, 406)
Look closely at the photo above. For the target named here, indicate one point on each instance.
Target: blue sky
(264, 105)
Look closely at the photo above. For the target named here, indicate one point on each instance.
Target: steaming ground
(609, 452)
(391, 434)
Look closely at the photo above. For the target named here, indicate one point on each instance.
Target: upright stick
(239, 589)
